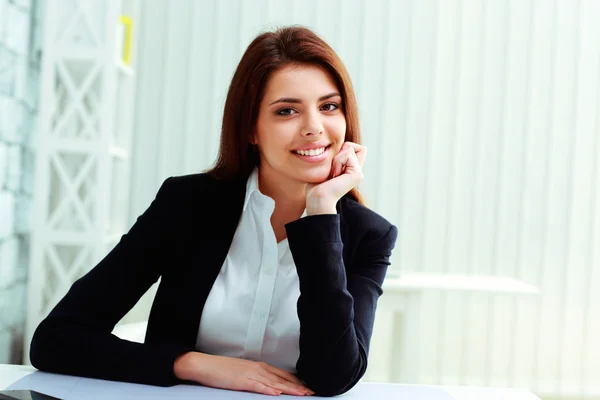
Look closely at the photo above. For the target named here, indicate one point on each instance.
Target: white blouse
(251, 310)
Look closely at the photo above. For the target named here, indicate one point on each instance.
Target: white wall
(481, 119)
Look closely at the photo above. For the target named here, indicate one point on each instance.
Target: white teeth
(311, 152)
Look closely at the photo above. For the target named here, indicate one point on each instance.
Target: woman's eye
(329, 107)
(286, 111)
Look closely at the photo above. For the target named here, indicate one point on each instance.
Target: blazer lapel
(217, 219)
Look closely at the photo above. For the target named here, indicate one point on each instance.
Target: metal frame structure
(84, 145)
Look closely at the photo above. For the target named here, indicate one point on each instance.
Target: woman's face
(301, 125)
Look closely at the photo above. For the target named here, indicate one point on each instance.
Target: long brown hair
(267, 53)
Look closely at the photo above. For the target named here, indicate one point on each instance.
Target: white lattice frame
(96, 147)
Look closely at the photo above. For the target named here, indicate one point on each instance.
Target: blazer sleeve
(76, 339)
(337, 305)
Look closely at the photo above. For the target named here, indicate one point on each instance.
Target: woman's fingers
(338, 164)
(280, 385)
(346, 161)
(288, 376)
(359, 150)
(283, 384)
(259, 387)
(286, 387)
(303, 390)
(340, 160)
(282, 380)
(353, 163)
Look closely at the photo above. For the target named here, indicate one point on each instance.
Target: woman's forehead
(300, 81)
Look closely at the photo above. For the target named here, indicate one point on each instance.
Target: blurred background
(482, 123)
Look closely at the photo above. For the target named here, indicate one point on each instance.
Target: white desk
(395, 348)
(80, 388)
(461, 283)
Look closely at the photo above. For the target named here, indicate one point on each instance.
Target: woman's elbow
(327, 383)
(331, 388)
(331, 392)
(39, 349)
(45, 348)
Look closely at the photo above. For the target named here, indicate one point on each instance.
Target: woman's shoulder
(195, 186)
(188, 195)
(191, 183)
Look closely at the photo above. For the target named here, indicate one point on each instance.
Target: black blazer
(183, 238)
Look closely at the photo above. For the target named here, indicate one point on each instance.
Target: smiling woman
(288, 81)
(270, 264)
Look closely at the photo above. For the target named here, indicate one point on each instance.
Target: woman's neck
(289, 196)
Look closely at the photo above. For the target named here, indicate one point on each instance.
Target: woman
(270, 265)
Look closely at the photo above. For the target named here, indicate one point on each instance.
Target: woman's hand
(238, 374)
(346, 174)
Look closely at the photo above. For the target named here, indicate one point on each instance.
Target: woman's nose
(312, 126)
(312, 132)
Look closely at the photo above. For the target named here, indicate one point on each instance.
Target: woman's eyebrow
(298, 101)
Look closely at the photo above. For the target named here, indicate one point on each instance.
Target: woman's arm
(336, 309)
(76, 336)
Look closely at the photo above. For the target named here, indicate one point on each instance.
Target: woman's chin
(316, 176)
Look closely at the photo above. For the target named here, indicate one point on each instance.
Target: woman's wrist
(320, 205)
(187, 366)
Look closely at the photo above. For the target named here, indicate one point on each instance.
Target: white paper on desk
(75, 388)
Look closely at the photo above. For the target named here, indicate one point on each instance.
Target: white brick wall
(19, 77)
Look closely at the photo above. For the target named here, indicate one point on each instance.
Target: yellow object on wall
(128, 23)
